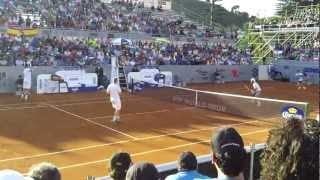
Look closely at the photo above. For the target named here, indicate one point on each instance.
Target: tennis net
(244, 106)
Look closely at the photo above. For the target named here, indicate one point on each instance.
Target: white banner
(78, 78)
(148, 75)
(45, 85)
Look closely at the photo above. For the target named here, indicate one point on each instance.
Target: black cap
(142, 171)
(227, 144)
(187, 161)
(120, 161)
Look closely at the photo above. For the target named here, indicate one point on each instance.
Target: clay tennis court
(74, 131)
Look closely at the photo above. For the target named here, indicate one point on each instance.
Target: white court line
(143, 113)
(62, 100)
(81, 103)
(156, 150)
(97, 102)
(132, 114)
(92, 122)
(56, 101)
(243, 89)
(124, 141)
(40, 104)
(21, 108)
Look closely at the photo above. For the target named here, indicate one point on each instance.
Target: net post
(131, 88)
(196, 99)
(252, 151)
(307, 111)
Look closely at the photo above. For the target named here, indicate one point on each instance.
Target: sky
(260, 8)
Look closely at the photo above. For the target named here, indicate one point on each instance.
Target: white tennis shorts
(26, 84)
(116, 104)
(256, 93)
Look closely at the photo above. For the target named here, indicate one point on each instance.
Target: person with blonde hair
(292, 151)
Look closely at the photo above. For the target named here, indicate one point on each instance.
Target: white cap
(12, 175)
(252, 80)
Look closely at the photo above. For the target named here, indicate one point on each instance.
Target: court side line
(92, 122)
(96, 102)
(155, 150)
(61, 101)
(124, 141)
(21, 108)
(37, 104)
(56, 101)
(143, 113)
(131, 114)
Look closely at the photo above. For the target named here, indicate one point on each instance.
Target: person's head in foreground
(142, 171)
(44, 171)
(187, 161)
(119, 165)
(292, 151)
(187, 168)
(8, 174)
(228, 153)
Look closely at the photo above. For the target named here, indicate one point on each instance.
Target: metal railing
(171, 166)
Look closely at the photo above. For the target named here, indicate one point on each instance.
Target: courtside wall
(182, 73)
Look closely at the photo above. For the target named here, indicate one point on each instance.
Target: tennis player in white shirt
(26, 82)
(114, 91)
(256, 90)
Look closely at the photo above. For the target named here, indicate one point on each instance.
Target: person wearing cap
(228, 154)
(44, 171)
(142, 171)
(9, 174)
(301, 80)
(187, 168)
(119, 165)
(255, 90)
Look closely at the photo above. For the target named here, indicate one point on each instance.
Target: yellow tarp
(20, 31)
(162, 41)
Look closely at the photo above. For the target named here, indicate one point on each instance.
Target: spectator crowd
(291, 153)
(121, 16)
(307, 52)
(46, 51)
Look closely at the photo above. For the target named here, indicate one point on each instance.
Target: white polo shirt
(114, 90)
(256, 86)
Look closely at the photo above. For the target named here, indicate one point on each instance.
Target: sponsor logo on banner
(3, 75)
(289, 112)
(311, 70)
(234, 72)
(255, 72)
(203, 73)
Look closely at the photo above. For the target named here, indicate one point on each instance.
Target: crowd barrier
(196, 73)
(251, 172)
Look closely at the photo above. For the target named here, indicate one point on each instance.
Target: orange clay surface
(74, 131)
